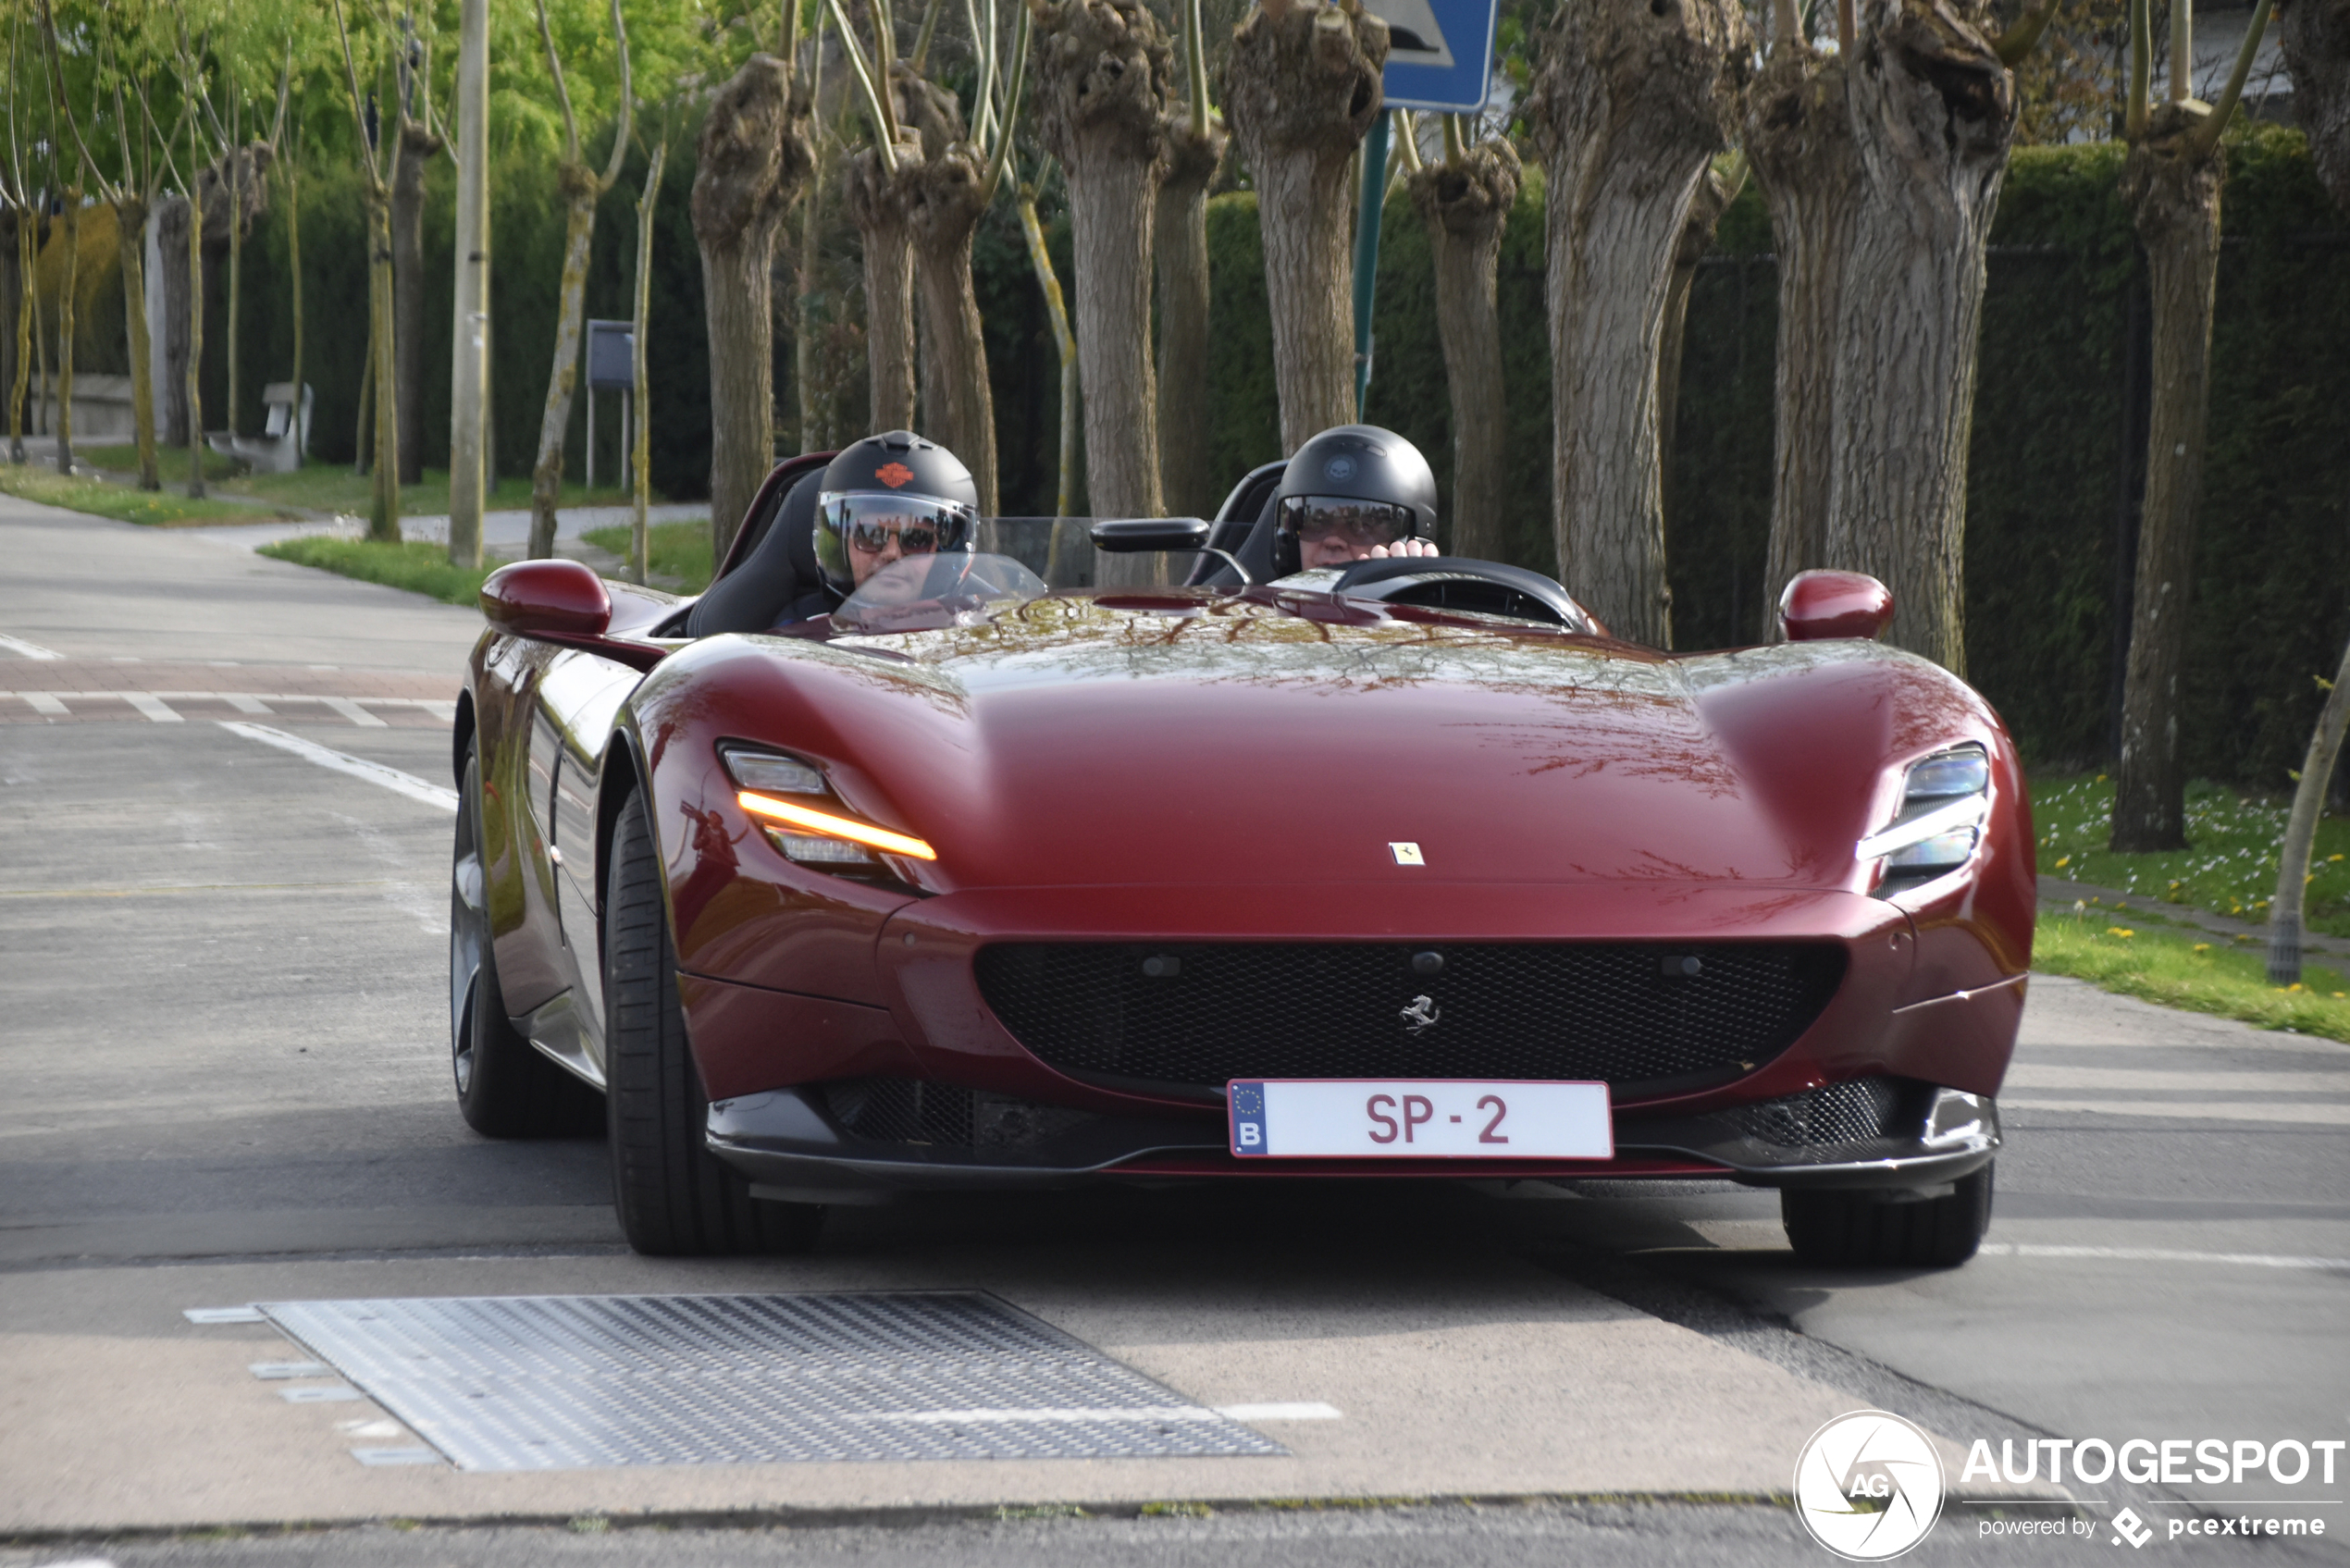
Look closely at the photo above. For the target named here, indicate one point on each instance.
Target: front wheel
(1869, 1229)
(674, 1197)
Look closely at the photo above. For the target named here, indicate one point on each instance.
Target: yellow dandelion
(2119, 931)
(2064, 860)
(2203, 947)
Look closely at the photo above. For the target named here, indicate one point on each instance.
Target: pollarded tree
(1466, 201)
(2172, 180)
(1633, 97)
(1103, 71)
(2314, 37)
(753, 157)
(581, 188)
(939, 182)
(1302, 88)
(1194, 154)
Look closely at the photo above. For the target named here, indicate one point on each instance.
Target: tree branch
(562, 93)
(996, 165)
(358, 114)
(884, 123)
(2133, 117)
(57, 92)
(627, 95)
(2208, 136)
(2017, 42)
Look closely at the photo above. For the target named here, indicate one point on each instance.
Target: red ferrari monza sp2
(1407, 869)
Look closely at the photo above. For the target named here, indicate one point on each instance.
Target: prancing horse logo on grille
(1421, 1015)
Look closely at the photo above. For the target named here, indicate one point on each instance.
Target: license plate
(1441, 1118)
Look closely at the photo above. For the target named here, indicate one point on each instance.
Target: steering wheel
(1459, 582)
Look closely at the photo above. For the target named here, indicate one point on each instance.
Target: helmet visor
(1345, 520)
(867, 523)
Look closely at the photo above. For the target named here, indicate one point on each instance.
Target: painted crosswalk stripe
(392, 779)
(2311, 1113)
(24, 649)
(353, 711)
(43, 703)
(153, 706)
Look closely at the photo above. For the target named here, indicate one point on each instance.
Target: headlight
(1944, 800)
(802, 833)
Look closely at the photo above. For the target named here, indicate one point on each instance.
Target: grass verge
(2122, 949)
(679, 551)
(156, 509)
(171, 462)
(2229, 867)
(418, 567)
(332, 486)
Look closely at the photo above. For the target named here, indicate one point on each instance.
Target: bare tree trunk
(1465, 203)
(413, 152)
(1104, 72)
(943, 207)
(2315, 38)
(171, 243)
(2174, 201)
(359, 435)
(753, 155)
(193, 371)
(1799, 137)
(2292, 901)
(876, 205)
(383, 516)
(72, 233)
(1187, 474)
(20, 225)
(1716, 189)
(641, 395)
(11, 297)
(578, 184)
(293, 278)
(1630, 104)
(1303, 86)
(130, 254)
(1933, 114)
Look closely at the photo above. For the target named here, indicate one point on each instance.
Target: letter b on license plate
(1444, 1118)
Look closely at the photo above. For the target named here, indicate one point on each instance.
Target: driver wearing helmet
(885, 498)
(1353, 493)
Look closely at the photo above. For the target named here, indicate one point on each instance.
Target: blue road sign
(1438, 52)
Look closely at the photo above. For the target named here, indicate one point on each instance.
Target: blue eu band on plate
(1443, 1119)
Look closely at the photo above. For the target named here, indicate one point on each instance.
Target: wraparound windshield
(924, 593)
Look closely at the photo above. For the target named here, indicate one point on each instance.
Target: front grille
(1197, 1015)
(1852, 1112)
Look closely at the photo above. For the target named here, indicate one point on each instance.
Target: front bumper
(789, 1148)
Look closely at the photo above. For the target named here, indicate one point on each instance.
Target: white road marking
(1311, 1410)
(2319, 1115)
(353, 711)
(2162, 1255)
(153, 706)
(2044, 1075)
(978, 1417)
(343, 762)
(244, 704)
(43, 703)
(24, 649)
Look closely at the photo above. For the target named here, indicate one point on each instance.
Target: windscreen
(924, 593)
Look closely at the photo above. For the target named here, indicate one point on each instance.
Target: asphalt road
(223, 1031)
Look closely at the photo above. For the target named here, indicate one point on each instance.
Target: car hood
(1088, 741)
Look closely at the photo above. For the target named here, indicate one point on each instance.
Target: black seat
(776, 570)
(1244, 528)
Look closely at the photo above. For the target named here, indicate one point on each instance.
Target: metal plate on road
(1438, 53)
(1442, 1119)
(575, 1382)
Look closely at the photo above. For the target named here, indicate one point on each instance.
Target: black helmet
(1370, 482)
(894, 483)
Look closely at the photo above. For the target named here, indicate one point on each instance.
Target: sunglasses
(866, 524)
(1317, 518)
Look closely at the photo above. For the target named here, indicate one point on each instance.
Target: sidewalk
(503, 534)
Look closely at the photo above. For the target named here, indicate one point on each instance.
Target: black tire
(674, 1198)
(505, 1088)
(1862, 1229)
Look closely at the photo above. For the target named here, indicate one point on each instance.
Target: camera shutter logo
(1867, 1485)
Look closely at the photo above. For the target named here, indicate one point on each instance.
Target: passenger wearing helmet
(1353, 493)
(885, 498)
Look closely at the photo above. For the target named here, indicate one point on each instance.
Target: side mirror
(1128, 536)
(1835, 604)
(536, 598)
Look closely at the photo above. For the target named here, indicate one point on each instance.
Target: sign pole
(1366, 251)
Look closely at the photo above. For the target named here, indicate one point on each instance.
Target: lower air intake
(1639, 1016)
